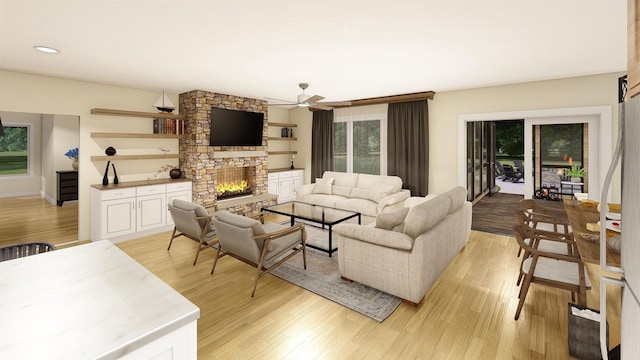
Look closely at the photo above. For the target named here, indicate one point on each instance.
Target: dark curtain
(321, 143)
(408, 145)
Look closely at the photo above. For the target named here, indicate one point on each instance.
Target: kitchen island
(91, 301)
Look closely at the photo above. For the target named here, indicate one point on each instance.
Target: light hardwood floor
(32, 218)
(467, 314)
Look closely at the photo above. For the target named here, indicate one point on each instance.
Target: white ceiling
(344, 49)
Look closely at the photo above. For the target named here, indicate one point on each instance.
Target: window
(14, 151)
(360, 140)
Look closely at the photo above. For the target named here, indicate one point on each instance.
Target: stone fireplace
(218, 172)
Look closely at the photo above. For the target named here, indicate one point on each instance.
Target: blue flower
(72, 153)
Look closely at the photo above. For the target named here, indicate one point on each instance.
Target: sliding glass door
(480, 158)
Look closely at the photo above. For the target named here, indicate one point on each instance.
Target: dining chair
(544, 218)
(565, 272)
(263, 246)
(25, 249)
(551, 246)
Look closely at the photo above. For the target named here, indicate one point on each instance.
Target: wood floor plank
(467, 314)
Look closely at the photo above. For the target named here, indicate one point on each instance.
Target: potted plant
(576, 173)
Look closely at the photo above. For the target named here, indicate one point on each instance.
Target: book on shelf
(168, 126)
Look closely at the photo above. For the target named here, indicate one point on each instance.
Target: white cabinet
(151, 207)
(117, 213)
(282, 183)
(136, 209)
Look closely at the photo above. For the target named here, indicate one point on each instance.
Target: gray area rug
(322, 277)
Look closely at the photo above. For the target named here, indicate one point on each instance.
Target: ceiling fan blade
(320, 107)
(314, 99)
(335, 103)
(284, 101)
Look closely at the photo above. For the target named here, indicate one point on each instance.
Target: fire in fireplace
(228, 190)
(234, 181)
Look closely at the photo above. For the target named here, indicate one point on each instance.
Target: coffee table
(322, 215)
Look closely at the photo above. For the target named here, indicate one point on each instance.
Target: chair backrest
(235, 234)
(519, 165)
(184, 215)
(26, 249)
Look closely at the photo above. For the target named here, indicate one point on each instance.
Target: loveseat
(406, 250)
(369, 195)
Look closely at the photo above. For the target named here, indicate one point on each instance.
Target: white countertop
(90, 301)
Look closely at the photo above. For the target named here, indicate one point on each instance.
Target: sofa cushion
(374, 194)
(391, 184)
(341, 190)
(341, 178)
(322, 199)
(363, 206)
(389, 221)
(424, 216)
(323, 186)
(458, 196)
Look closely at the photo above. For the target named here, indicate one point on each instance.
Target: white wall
(446, 107)
(29, 184)
(279, 115)
(29, 93)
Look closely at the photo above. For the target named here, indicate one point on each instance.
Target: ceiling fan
(313, 102)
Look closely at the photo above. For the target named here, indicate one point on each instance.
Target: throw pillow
(323, 186)
(392, 219)
(426, 215)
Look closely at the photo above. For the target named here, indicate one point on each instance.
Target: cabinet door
(182, 195)
(273, 187)
(151, 211)
(285, 188)
(118, 217)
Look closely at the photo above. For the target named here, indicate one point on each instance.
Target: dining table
(580, 213)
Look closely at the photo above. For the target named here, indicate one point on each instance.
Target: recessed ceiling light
(46, 49)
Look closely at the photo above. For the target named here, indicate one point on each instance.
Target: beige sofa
(367, 194)
(408, 249)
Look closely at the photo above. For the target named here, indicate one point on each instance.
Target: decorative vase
(105, 178)
(74, 164)
(110, 151)
(292, 165)
(576, 179)
(175, 173)
(115, 174)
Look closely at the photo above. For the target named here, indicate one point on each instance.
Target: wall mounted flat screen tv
(236, 128)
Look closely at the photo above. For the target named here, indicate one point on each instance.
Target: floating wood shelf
(282, 124)
(133, 136)
(282, 138)
(282, 152)
(135, 157)
(98, 111)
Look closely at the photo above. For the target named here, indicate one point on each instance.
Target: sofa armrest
(381, 237)
(303, 190)
(392, 199)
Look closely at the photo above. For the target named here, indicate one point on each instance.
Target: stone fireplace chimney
(208, 167)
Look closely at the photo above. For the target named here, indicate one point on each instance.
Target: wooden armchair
(264, 246)
(192, 221)
(556, 270)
